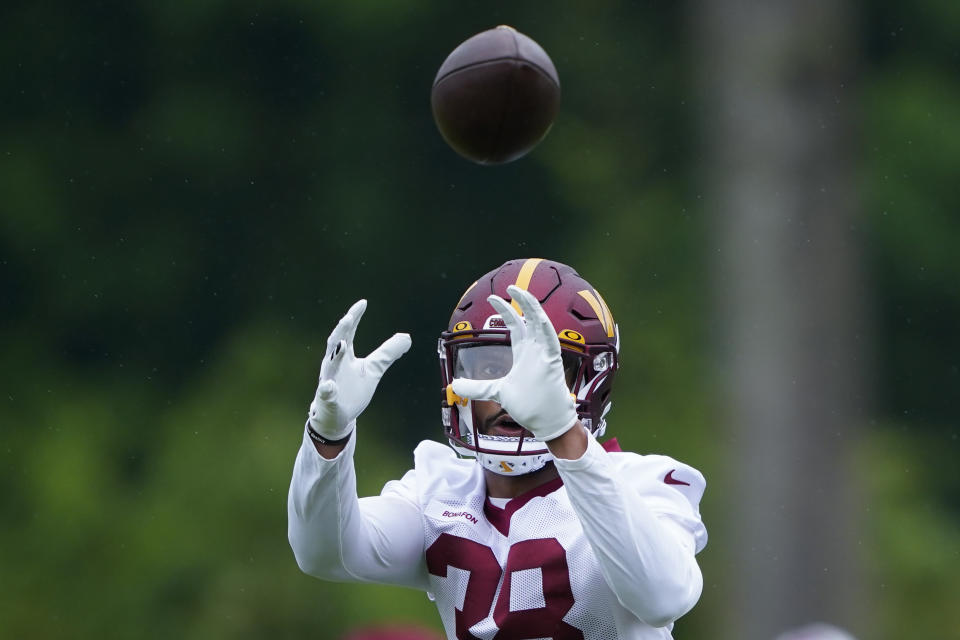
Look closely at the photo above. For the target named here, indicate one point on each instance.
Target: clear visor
(491, 361)
(483, 362)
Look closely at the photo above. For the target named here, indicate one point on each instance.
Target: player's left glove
(534, 392)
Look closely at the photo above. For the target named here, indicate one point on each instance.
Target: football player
(526, 526)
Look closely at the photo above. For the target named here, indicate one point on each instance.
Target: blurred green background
(192, 193)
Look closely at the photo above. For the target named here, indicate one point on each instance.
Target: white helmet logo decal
(495, 322)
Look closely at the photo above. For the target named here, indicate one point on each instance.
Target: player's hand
(534, 392)
(347, 382)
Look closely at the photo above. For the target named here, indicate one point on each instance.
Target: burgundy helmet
(476, 345)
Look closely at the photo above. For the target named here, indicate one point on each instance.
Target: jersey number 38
(545, 554)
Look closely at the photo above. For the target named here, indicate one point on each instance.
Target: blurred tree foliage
(193, 193)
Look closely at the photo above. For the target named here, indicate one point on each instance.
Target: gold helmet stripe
(524, 278)
(611, 325)
(599, 308)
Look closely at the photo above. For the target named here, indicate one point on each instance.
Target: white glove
(534, 392)
(347, 383)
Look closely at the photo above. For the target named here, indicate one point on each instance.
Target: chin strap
(513, 465)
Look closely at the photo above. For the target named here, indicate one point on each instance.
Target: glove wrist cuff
(319, 439)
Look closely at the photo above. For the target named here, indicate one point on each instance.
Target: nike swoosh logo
(669, 479)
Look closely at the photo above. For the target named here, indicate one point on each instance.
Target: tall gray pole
(778, 124)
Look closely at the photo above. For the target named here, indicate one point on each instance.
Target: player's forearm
(571, 445)
(329, 449)
(337, 536)
(644, 559)
(320, 500)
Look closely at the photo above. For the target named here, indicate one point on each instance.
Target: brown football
(495, 96)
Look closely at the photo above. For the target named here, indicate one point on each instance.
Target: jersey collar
(500, 517)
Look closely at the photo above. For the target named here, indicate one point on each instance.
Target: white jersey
(606, 551)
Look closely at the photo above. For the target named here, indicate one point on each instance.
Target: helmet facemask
(485, 355)
(477, 345)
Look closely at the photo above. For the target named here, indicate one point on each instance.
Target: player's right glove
(347, 383)
(534, 392)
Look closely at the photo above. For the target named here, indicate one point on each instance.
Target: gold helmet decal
(570, 334)
(600, 308)
(524, 277)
